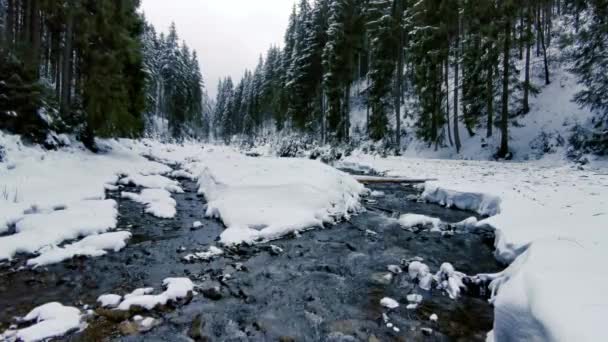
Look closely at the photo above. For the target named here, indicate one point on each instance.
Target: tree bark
(456, 84)
(66, 75)
(526, 100)
(398, 82)
(504, 122)
(490, 99)
(544, 47)
(447, 97)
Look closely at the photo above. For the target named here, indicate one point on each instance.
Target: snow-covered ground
(551, 224)
(265, 198)
(50, 198)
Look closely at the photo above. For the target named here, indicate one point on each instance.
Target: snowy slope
(551, 224)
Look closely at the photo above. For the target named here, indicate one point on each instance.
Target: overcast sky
(228, 35)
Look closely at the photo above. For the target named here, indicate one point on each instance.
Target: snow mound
(481, 203)
(409, 221)
(51, 320)
(421, 272)
(109, 300)
(92, 246)
(176, 288)
(158, 202)
(450, 280)
(265, 198)
(152, 182)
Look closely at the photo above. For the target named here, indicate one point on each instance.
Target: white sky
(228, 35)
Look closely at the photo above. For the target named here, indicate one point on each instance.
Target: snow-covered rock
(158, 202)
(409, 221)
(389, 303)
(50, 320)
(176, 288)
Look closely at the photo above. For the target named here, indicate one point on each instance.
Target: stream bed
(320, 285)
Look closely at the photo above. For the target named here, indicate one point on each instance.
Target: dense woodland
(454, 67)
(93, 68)
(451, 61)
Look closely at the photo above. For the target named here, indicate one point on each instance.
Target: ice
(176, 288)
(109, 300)
(92, 246)
(158, 202)
(389, 303)
(50, 320)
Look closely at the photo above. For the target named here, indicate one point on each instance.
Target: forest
(445, 62)
(94, 69)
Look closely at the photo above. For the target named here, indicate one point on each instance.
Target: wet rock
(275, 250)
(127, 328)
(287, 339)
(395, 269)
(113, 315)
(196, 329)
(212, 293)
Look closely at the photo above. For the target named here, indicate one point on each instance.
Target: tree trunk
(504, 122)
(34, 50)
(66, 75)
(526, 108)
(10, 23)
(397, 104)
(447, 97)
(546, 62)
(346, 113)
(521, 33)
(490, 98)
(456, 84)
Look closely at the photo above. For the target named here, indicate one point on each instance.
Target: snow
(197, 224)
(265, 198)
(205, 256)
(158, 202)
(51, 227)
(389, 303)
(409, 221)
(176, 288)
(550, 225)
(109, 300)
(433, 318)
(450, 280)
(152, 182)
(93, 245)
(51, 320)
(421, 272)
(35, 182)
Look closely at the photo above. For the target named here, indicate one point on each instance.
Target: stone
(212, 293)
(381, 278)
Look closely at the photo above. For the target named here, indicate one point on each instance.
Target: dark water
(323, 286)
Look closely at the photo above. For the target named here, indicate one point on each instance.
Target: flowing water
(323, 285)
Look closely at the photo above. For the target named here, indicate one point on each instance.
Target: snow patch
(158, 202)
(176, 288)
(51, 320)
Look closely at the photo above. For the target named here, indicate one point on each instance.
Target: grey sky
(228, 35)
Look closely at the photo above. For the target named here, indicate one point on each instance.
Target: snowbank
(48, 197)
(409, 221)
(51, 320)
(158, 202)
(92, 246)
(264, 198)
(551, 225)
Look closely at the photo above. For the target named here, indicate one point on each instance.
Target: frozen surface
(551, 225)
(50, 320)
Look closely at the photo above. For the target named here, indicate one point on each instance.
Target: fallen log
(376, 179)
